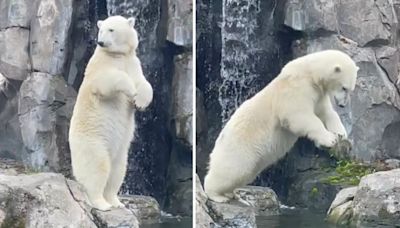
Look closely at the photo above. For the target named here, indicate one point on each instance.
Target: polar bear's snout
(101, 43)
(342, 98)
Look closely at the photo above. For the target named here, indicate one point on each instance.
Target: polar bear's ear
(99, 22)
(357, 68)
(337, 69)
(131, 21)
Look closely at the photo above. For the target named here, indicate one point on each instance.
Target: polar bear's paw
(327, 141)
(143, 97)
(219, 198)
(114, 201)
(101, 204)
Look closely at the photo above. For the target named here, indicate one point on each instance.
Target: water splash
(238, 29)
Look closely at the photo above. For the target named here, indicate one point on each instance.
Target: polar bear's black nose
(100, 43)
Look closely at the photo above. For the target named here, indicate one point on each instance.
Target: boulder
(180, 22)
(374, 203)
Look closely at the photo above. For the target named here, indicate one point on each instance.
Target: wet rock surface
(249, 202)
(373, 203)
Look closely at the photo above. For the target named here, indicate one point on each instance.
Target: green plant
(348, 173)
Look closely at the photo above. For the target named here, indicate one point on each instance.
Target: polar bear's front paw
(143, 98)
(327, 141)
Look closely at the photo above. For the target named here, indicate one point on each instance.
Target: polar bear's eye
(111, 30)
(344, 89)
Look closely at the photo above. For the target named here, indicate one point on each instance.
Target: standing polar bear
(102, 124)
(264, 128)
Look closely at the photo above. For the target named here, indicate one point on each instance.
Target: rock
(51, 200)
(367, 21)
(340, 210)
(310, 190)
(145, 208)
(182, 85)
(362, 21)
(341, 214)
(392, 164)
(251, 202)
(263, 199)
(115, 218)
(49, 36)
(40, 200)
(305, 15)
(11, 167)
(15, 13)
(377, 200)
(345, 195)
(375, 203)
(203, 219)
(180, 22)
(11, 144)
(45, 108)
(232, 214)
(14, 58)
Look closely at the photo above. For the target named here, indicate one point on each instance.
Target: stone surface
(145, 208)
(203, 219)
(15, 13)
(263, 199)
(49, 36)
(182, 85)
(40, 200)
(249, 202)
(374, 203)
(180, 22)
(14, 58)
(51, 200)
(115, 218)
(232, 214)
(362, 21)
(345, 195)
(45, 108)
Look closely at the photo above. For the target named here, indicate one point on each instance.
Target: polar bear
(102, 123)
(263, 129)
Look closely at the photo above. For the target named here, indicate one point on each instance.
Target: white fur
(264, 128)
(102, 124)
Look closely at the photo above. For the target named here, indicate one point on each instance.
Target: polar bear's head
(117, 35)
(342, 77)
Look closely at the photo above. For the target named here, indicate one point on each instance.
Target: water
(171, 223)
(294, 219)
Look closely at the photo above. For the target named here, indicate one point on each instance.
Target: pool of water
(171, 223)
(294, 219)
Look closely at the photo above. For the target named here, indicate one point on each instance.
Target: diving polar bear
(263, 129)
(103, 124)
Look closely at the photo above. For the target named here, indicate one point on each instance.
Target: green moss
(32, 170)
(14, 222)
(314, 191)
(348, 173)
